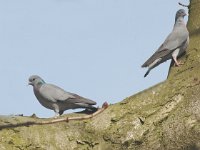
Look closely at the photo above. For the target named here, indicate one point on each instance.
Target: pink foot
(178, 64)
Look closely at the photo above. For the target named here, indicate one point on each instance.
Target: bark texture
(163, 117)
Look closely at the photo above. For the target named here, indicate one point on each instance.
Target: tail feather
(84, 105)
(147, 72)
(92, 108)
(88, 107)
(149, 61)
(157, 55)
(144, 65)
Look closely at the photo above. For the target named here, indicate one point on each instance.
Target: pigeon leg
(174, 56)
(56, 110)
(176, 62)
(56, 115)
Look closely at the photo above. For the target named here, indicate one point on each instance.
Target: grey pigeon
(174, 45)
(55, 98)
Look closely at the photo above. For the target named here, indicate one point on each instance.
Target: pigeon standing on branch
(55, 98)
(174, 45)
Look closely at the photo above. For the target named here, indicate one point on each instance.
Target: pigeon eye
(33, 79)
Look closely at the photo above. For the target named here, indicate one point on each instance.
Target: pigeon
(174, 45)
(55, 98)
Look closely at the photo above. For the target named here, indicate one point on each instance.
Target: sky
(94, 48)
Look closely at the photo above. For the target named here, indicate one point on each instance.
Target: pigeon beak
(30, 83)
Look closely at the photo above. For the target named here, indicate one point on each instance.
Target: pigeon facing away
(55, 98)
(174, 45)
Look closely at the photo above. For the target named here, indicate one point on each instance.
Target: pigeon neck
(40, 83)
(179, 20)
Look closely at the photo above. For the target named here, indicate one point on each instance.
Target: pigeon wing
(174, 40)
(80, 99)
(53, 93)
(57, 94)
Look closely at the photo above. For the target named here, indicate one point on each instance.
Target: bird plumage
(174, 45)
(57, 99)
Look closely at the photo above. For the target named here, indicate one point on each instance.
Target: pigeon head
(180, 13)
(35, 80)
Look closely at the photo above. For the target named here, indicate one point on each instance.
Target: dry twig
(104, 106)
(183, 5)
(67, 119)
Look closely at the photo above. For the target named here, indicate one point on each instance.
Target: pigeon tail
(147, 72)
(92, 108)
(144, 65)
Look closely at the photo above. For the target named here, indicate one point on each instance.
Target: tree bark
(163, 117)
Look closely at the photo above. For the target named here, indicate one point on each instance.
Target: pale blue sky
(90, 47)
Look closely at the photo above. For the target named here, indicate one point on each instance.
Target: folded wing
(54, 94)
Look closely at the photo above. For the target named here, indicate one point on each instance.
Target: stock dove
(174, 45)
(55, 98)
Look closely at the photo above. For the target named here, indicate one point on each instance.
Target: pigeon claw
(178, 64)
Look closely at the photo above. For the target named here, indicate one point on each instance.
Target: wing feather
(55, 94)
(173, 41)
